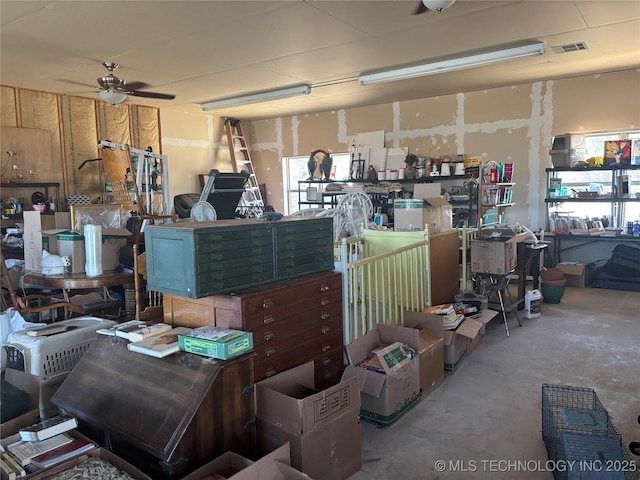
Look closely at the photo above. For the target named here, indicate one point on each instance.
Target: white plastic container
(532, 301)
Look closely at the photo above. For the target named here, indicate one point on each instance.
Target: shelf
(589, 200)
(610, 168)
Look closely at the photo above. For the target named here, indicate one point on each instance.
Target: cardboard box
(578, 274)
(11, 427)
(431, 348)
(384, 398)
(71, 244)
(100, 453)
(34, 224)
(322, 427)
(495, 256)
(220, 343)
(273, 466)
(413, 214)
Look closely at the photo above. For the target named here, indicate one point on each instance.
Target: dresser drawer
(324, 306)
(328, 367)
(266, 366)
(293, 292)
(274, 341)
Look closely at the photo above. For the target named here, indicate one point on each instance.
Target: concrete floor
(490, 409)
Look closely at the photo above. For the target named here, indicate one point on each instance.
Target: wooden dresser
(293, 322)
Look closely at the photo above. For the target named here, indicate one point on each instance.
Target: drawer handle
(324, 316)
(268, 303)
(326, 362)
(326, 348)
(325, 330)
(269, 319)
(324, 288)
(270, 352)
(325, 301)
(269, 336)
(270, 373)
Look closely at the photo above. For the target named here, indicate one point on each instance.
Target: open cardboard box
(430, 350)
(385, 397)
(322, 427)
(462, 341)
(273, 466)
(414, 213)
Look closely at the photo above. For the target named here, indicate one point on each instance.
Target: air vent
(570, 47)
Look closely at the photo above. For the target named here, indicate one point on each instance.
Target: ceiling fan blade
(421, 8)
(159, 96)
(135, 85)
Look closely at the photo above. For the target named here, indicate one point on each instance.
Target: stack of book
(450, 318)
(135, 330)
(42, 445)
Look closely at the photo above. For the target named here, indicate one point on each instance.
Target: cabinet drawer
(328, 368)
(294, 356)
(291, 292)
(289, 335)
(302, 311)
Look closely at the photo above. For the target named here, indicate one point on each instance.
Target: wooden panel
(189, 312)
(444, 278)
(33, 146)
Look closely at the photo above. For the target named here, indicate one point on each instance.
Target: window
(294, 169)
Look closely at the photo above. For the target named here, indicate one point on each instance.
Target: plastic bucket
(532, 301)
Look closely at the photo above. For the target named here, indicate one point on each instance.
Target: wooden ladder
(251, 204)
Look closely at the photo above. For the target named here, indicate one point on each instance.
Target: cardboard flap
(424, 321)
(437, 202)
(423, 191)
(571, 268)
(370, 382)
(360, 347)
(390, 334)
(469, 328)
(521, 237)
(486, 316)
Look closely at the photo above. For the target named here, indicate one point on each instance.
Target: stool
(495, 283)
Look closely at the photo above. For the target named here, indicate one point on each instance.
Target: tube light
(113, 97)
(479, 60)
(257, 97)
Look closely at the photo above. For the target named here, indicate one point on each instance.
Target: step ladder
(251, 204)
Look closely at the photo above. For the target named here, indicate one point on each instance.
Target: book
(62, 453)
(23, 451)
(124, 327)
(47, 428)
(454, 323)
(160, 345)
(6, 470)
(48, 330)
(441, 309)
(146, 331)
(10, 465)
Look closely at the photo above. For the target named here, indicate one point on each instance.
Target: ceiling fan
(434, 5)
(115, 90)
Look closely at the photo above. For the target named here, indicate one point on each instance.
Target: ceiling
(206, 50)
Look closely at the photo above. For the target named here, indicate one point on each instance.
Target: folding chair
(493, 284)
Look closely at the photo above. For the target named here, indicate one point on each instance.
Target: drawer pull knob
(268, 303)
(270, 352)
(324, 316)
(325, 302)
(326, 361)
(269, 319)
(325, 330)
(324, 288)
(326, 348)
(269, 336)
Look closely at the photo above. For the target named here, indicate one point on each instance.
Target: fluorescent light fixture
(257, 97)
(113, 97)
(479, 60)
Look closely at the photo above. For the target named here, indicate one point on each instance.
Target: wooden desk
(79, 281)
(526, 254)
